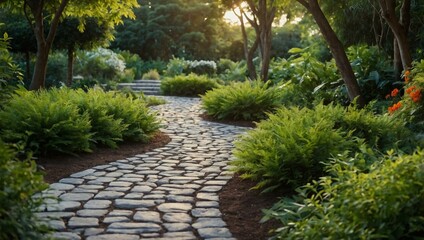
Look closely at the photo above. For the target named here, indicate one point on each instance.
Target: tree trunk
(249, 60)
(397, 61)
(27, 66)
(388, 11)
(248, 53)
(266, 18)
(266, 55)
(40, 68)
(44, 43)
(337, 51)
(70, 72)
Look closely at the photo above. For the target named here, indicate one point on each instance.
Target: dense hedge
(191, 85)
(63, 120)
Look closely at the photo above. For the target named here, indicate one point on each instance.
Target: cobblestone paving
(168, 193)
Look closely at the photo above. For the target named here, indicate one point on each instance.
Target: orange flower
(415, 95)
(394, 92)
(410, 89)
(406, 75)
(395, 107)
(387, 96)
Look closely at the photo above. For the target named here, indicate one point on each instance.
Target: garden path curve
(168, 193)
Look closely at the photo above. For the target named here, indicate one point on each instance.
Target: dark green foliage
(373, 71)
(63, 120)
(313, 80)
(184, 29)
(385, 203)
(40, 123)
(242, 101)
(56, 70)
(10, 74)
(19, 180)
(141, 123)
(190, 85)
(291, 147)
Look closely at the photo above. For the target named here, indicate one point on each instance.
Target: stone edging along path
(168, 193)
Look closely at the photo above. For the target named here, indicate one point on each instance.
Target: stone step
(148, 87)
(148, 81)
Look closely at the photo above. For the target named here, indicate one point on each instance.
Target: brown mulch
(241, 207)
(59, 166)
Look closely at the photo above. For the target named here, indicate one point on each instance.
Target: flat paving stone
(174, 207)
(214, 233)
(98, 204)
(147, 216)
(114, 237)
(76, 222)
(206, 212)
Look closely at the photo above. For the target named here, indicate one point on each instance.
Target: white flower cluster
(109, 57)
(201, 63)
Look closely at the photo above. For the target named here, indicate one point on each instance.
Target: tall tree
(249, 51)
(337, 50)
(261, 15)
(175, 28)
(36, 11)
(70, 38)
(23, 37)
(400, 28)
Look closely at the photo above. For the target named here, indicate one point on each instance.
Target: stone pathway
(168, 193)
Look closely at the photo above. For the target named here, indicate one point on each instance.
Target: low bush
(242, 101)
(151, 75)
(175, 67)
(134, 113)
(291, 146)
(63, 120)
(201, 67)
(190, 85)
(384, 203)
(36, 122)
(19, 180)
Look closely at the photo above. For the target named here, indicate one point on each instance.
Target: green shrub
(291, 146)
(63, 120)
(133, 62)
(151, 75)
(10, 73)
(140, 121)
(373, 70)
(175, 67)
(101, 65)
(385, 203)
(246, 101)
(191, 85)
(201, 67)
(106, 129)
(19, 180)
(225, 65)
(41, 124)
(56, 70)
(230, 71)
